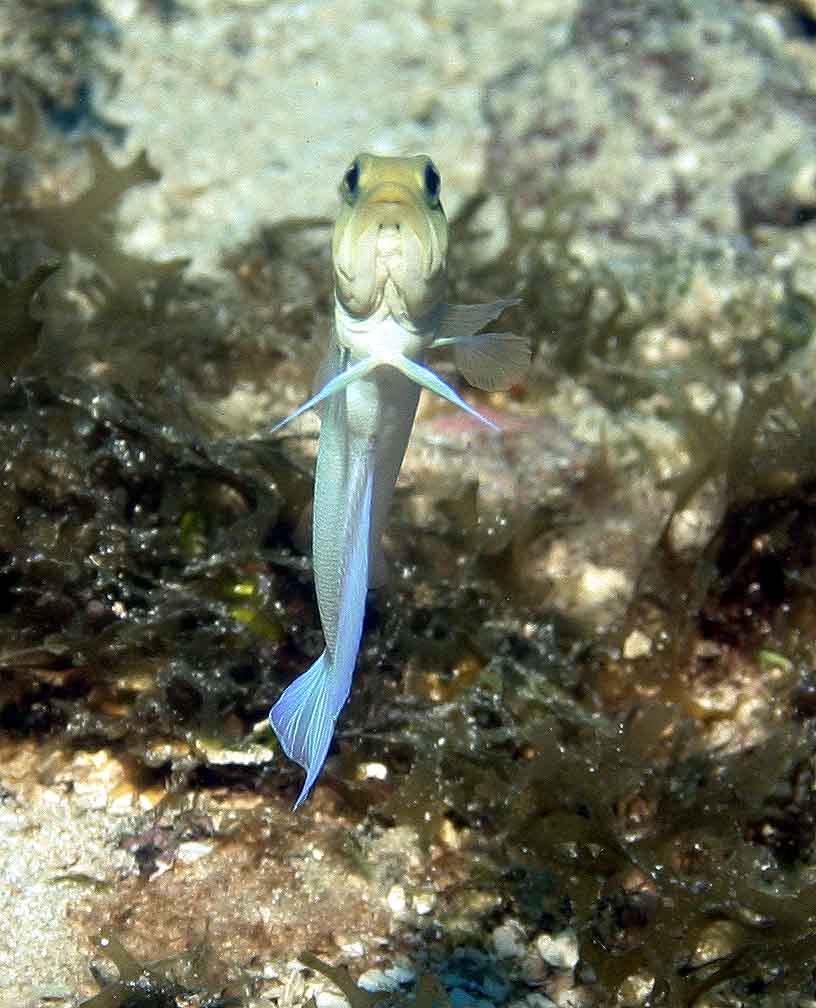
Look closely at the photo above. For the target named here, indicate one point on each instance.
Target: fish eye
(433, 183)
(351, 180)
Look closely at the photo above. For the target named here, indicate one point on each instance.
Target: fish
(389, 256)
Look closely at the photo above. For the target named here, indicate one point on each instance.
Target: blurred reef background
(578, 766)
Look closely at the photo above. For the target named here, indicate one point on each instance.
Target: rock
(509, 940)
(559, 950)
(396, 899)
(375, 980)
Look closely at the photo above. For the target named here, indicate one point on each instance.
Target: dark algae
(188, 978)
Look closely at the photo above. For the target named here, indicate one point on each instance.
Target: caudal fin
(304, 717)
(303, 722)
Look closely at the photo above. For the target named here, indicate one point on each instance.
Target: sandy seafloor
(641, 538)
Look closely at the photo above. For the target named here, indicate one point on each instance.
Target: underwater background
(578, 765)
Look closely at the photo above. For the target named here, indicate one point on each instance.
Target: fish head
(390, 241)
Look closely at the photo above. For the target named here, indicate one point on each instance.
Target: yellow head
(390, 242)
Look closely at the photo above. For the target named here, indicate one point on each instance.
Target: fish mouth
(389, 251)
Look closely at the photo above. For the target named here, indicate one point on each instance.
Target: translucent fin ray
(336, 384)
(411, 369)
(302, 722)
(492, 361)
(427, 379)
(465, 320)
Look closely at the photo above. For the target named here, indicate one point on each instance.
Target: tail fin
(303, 723)
(304, 716)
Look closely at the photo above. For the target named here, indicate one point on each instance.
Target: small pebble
(401, 974)
(461, 999)
(424, 903)
(495, 989)
(535, 1000)
(328, 999)
(717, 941)
(372, 771)
(637, 645)
(354, 949)
(396, 899)
(193, 850)
(560, 950)
(509, 940)
(376, 980)
(635, 990)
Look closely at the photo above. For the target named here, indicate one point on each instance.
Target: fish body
(389, 254)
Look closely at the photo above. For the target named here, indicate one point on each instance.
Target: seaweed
(581, 318)
(164, 983)
(108, 470)
(429, 991)
(79, 231)
(19, 330)
(83, 225)
(649, 841)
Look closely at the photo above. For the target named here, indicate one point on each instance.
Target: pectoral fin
(492, 361)
(467, 319)
(489, 361)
